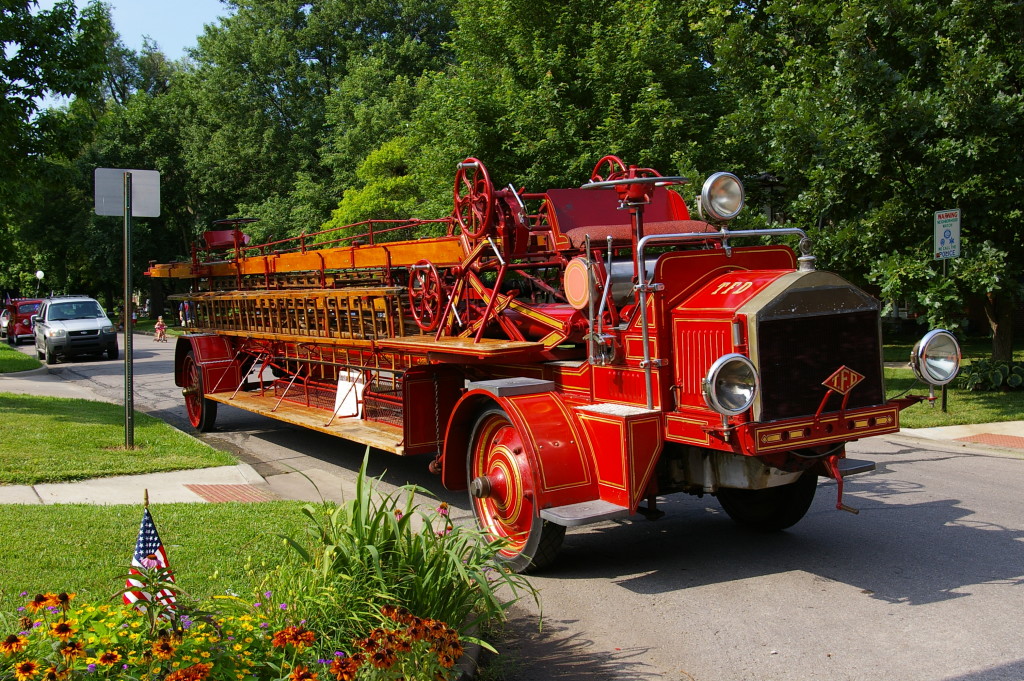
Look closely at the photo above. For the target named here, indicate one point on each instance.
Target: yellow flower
(26, 670)
(237, 646)
(109, 658)
(205, 654)
(63, 630)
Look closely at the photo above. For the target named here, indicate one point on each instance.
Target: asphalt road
(925, 584)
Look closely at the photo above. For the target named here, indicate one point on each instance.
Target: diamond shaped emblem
(843, 380)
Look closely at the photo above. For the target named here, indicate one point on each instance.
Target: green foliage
(987, 374)
(381, 548)
(52, 439)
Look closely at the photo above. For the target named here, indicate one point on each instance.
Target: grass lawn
(963, 406)
(52, 439)
(11, 360)
(212, 548)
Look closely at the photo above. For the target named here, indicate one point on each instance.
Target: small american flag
(149, 554)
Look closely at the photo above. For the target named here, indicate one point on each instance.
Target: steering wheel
(426, 294)
(474, 198)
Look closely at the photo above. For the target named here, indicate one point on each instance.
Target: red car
(16, 321)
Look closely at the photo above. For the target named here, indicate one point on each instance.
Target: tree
(54, 52)
(540, 91)
(877, 113)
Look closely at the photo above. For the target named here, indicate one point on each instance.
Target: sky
(173, 24)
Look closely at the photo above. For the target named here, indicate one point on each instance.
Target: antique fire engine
(569, 355)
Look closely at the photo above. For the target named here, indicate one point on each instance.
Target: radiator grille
(796, 354)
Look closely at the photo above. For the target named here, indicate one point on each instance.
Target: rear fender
(216, 358)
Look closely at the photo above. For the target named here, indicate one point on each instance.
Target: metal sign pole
(129, 388)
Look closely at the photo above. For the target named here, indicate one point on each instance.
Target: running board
(584, 513)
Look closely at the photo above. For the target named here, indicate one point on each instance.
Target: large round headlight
(731, 384)
(722, 196)
(936, 357)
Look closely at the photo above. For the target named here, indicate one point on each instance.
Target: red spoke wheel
(202, 412)
(608, 168)
(426, 295)
(771, 509)
(474, 198)
(502, 494)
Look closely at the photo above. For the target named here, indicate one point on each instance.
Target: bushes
(986, 374)
(382, 549)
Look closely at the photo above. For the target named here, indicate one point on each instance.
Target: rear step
(848, 467)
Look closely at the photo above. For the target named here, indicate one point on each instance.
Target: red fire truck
(569, 355)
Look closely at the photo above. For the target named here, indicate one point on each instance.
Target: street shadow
(909, 553)
(559, 651)
(1013, 671)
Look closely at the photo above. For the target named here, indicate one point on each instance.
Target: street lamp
(39, 280)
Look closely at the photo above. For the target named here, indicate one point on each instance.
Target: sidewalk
(243, 483)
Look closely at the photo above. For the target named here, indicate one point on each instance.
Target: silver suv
(66, 326)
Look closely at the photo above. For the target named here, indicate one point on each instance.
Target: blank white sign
(110, 192)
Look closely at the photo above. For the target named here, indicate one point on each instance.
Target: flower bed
(369, 594)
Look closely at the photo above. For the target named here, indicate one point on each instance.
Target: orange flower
(13, 644)
(39, 602)
(109, 658)
(163, 649)
(383, 658)
(26, 670)
(301, 673)
(299, 637)
(345, 668)
(54, 674)
(64, 598)
(72, 649)
(63, 630)
(197, 672)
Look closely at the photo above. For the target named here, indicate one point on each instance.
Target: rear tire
(202, 412)
(771, 509)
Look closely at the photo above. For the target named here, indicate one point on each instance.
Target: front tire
(771, 509)
(51, 356)
(502, 493)
(112, 352)
(202, 412)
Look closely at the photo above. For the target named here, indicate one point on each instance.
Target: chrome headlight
(936, 357)
(56, 333)
(731, 384)
(722, 196)
(108, 329)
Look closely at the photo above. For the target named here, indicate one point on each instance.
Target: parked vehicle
(69, 326)
(570, 355)
(16, 319)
